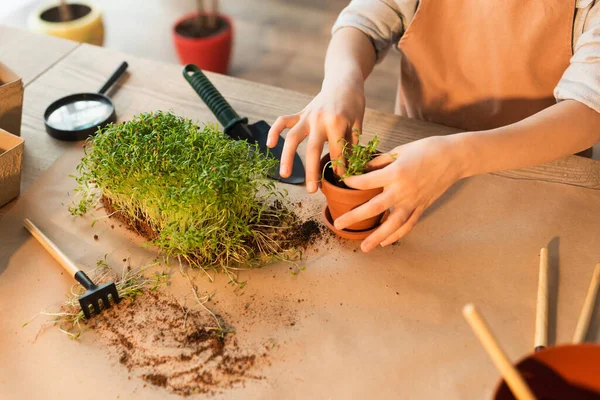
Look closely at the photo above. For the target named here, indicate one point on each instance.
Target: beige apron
(478, 65)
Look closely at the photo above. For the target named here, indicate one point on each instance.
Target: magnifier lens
(81, 114)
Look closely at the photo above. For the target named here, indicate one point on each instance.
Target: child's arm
(362, 35)
(418, 173)
(560, 130)
(335, 111)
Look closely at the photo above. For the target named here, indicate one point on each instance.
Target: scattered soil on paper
(171, 346)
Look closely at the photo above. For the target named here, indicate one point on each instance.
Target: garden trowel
(237, 127)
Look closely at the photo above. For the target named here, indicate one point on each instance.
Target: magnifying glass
(78, 116)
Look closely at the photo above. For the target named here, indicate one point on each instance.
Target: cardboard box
(11, 100)
(11, 161)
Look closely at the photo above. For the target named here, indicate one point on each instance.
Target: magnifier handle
(114, 77)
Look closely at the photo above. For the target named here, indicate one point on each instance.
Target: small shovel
(95, 295)
(237, 127)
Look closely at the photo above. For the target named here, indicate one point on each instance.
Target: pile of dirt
(171, 346)
(304, 234)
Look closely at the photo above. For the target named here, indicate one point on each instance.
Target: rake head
(96, 298)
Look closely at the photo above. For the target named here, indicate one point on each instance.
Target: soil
(173, 347)
(333, 179)
(193, 28)
(77, 11)
(547, 384)
(304, 234)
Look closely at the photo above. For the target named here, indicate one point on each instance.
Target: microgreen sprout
(356, 157)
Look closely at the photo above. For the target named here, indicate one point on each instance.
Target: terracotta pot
(561, 372)
(86, 27)
(341, 200)
(210, 53)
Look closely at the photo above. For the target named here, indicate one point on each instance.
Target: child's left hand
(413, 176)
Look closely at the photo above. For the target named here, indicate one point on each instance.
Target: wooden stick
(541, 314)
(588, 308)
(513, 378)
(215, 14)
(64, 11)
(200, 18)
(53, 249)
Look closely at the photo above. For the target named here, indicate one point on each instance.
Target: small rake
(96, 298)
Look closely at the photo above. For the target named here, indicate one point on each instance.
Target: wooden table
(479, 243)
(51, 68)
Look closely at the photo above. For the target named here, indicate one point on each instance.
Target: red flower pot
(559, 372)
(211, 52)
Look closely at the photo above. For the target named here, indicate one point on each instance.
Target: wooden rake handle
(588, 308)
(54, 251)
(511, 375)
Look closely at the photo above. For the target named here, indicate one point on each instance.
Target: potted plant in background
(204, 38)
(80, 21)
(341, 198)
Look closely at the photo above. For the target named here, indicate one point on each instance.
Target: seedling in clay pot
(197, 195)
(341, 198)
(204, 38)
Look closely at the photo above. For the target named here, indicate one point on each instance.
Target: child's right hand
(335, 113)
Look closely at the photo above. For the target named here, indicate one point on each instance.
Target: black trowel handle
(213, 99)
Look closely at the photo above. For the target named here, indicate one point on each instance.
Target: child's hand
(413, 176)
(330, 116)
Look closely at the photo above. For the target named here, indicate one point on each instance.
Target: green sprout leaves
(357, 156)
(200, 195)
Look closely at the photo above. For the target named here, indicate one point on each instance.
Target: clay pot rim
(547, 350)
(90, 17)
(325, 161)
(57, 8)
(216, 37)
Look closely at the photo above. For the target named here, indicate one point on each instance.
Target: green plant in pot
(341, 198)
(194, 193)
(204, 38)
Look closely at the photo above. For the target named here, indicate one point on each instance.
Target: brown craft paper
(380, 325)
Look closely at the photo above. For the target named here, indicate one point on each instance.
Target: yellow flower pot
(86, 25)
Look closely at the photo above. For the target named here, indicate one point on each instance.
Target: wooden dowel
(588, 308)
(64, 11)
(200, 10)
(214, 14)
(54, 251)
(541, 312)
(511, 376)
